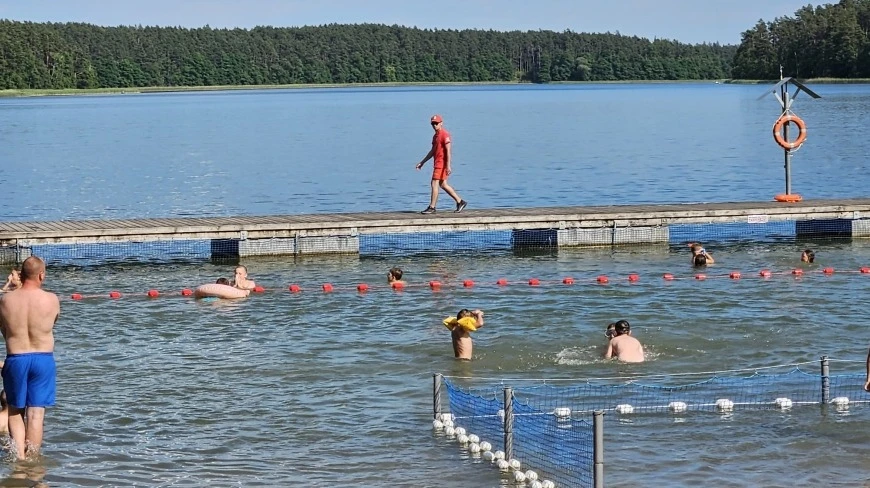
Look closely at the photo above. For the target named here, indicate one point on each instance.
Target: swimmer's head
(697, 248)
(464, 313)
(699, 260)
(808, 256)
(622, 327)
(611, 330)
(222, 281)
(241, 271)
(395, 274)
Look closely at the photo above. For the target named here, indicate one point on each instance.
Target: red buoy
(153, 293)
(397, 285)
(294, 288)
(735, 275)
(434, 284)
(568, 280)
(76, 296)
(864, 269)
(362, 287)
(186, 292)
(534, 282)
(114, 294)
(468, 283)
(501, 282)
(797, 271)
(259, 289)
(668, 277)
(327, 287)
(633, 277)
(602, 279)
(700, 276)
(765, 273)
(828, 271)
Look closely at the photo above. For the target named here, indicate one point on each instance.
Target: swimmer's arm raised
(478, 316)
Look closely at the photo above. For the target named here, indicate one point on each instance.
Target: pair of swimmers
(700, 256)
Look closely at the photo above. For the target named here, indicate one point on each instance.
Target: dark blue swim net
(557, 449)
(552, 428)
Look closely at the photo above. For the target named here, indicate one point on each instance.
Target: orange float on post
(789, 119)
(788, 197)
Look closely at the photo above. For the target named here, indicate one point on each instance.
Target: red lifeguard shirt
(440, 140)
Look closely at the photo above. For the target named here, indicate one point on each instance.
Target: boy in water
(808, 256)
(394, 276)
(466, 321)
(623, 346)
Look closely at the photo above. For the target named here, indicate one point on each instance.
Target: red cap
(437, 119)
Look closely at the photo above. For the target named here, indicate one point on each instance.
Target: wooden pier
(339, 233)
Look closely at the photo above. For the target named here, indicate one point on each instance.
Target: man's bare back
(27, 317)
(627, 349)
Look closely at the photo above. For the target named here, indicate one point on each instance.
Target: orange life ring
(788, 198)
(777, 131)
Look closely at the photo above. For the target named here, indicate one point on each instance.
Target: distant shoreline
(181, 89)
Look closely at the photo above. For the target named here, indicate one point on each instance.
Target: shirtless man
(460, 331)
(27, 318)
(623, 346)
(241, 280)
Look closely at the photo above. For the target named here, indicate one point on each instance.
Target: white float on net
(514, 463)
(488, 456)
(474, 447)
(840, 401)
(783, 403)
(548, 484)
(485, 446)
(499, 454)
(519, 476)
(473, 438)
(460, 431)
(562, 412)
(724, 405)
(437, 424)
(536, 484)
(462, 438)
(447, 416)
(678, 407)
(503, 465)
(448, 431)
(531, 475)
(624, 408)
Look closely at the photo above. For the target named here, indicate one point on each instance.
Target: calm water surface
(317, 389)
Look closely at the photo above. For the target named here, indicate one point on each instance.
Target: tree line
(76, 55)
(829, 41)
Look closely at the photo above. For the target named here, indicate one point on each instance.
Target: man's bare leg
(433, 196)
(450, 191)
(17, 430)
(33, 435)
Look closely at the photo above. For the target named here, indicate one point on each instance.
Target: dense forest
(825, 41)
(73, 55)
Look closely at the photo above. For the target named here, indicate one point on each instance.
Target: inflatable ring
(467, 323)
(780, 139)
(788, 198)
(219, 291)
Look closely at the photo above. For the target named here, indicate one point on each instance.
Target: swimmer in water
(808, 256)
(394, 276)
(623, 346)
(466, 321)
(700, 256)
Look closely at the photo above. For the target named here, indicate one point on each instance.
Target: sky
(690, 21)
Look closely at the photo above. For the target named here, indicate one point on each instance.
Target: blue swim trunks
(29, 379)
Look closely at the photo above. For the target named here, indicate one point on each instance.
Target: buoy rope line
(468, 284)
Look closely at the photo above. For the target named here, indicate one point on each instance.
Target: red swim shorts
(439, 173)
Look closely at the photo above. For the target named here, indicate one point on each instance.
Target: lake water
(317, 389)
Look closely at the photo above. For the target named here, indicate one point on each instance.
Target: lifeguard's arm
(427, 158)
(448, 156)
(867, 381)
(608, 353)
